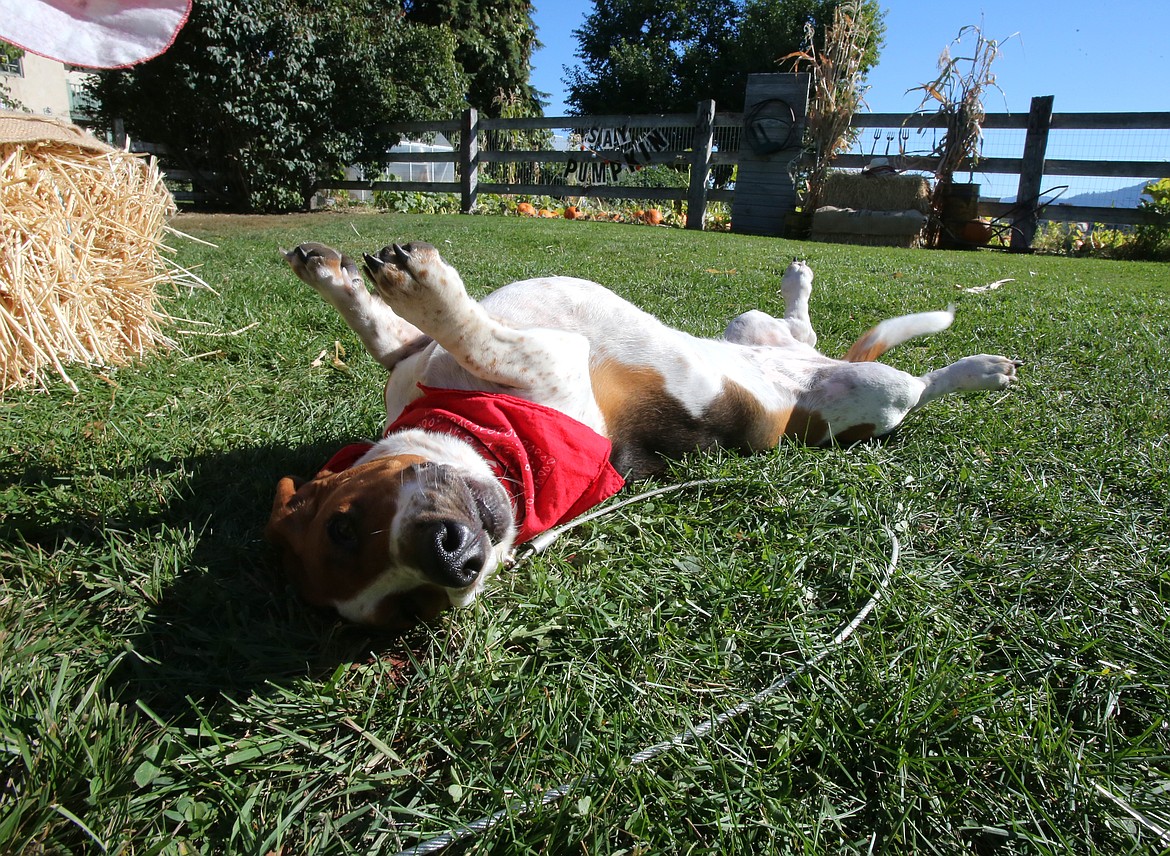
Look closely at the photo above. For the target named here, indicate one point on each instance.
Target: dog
(511, 415)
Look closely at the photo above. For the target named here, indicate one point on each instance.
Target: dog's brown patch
(801, 424)
(646, 424)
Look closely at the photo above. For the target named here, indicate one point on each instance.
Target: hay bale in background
(872, 209)
(864, 227)
(81, 229)
(866, 191)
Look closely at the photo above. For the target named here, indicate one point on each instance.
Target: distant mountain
(1122, 197)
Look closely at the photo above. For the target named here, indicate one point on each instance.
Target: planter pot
(959, 206)
(798, 225)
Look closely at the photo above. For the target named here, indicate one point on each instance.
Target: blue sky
(1092, 56)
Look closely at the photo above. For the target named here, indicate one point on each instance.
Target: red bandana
(553, 466)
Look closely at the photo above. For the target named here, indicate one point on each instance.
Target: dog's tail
(894, 331)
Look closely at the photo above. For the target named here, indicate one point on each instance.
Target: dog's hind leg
(970, 374)
(337, 279)
(861, 400)
(760, 328)
(796, 287)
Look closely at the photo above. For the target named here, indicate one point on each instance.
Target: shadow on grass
(224, 623)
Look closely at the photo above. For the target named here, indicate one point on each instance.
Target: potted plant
(836, 88)
(958, 94)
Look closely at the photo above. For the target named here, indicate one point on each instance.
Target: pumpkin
(977, 232)
(547, 212)
(572, 212)
(653, 217)
(526, 209)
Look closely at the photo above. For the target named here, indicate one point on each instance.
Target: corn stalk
(957, 95)
(837, 86)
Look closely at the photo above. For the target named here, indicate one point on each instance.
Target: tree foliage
(271, 93)
(640, 56)
(495, 40)
(8, 53)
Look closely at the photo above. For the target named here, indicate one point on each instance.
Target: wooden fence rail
(699, 158)
(1035, 165)
(711, 142)
(706, 141)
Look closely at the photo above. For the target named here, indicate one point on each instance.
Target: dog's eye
(342, 530)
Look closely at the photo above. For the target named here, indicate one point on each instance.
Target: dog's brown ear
(292, 508)
(283, 507)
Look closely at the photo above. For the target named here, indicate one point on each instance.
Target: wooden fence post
(1031, 173)
(700, 164)
(469, 159)
(774, 111)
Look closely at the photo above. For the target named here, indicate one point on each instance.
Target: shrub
(1150, 239)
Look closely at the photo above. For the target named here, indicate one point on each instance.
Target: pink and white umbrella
(93, 33)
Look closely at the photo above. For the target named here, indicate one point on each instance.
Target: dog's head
(394, 540)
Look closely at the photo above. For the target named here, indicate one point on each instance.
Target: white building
(45, 86)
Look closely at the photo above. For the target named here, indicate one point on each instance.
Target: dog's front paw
(334, 275)
(414, 280)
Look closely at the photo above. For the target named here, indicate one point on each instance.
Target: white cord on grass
(690, 734)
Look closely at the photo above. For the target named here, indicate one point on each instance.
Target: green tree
(271, 93)
(494, 44)
(640, 56)
(8, 53)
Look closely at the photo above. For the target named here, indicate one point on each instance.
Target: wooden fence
(1033, 165)
(698, 152)
(707, 143)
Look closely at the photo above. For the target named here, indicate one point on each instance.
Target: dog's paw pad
(331, 273)
(413, 275)
(998, 372)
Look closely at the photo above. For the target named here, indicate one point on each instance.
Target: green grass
(161, 691)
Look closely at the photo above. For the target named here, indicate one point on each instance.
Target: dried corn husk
(81, 231)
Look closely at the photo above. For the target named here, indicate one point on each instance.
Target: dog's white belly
(693, 369)
(630, 377)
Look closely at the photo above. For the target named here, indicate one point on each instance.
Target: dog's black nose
(453, 554)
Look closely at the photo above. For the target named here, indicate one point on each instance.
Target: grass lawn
(161, 690)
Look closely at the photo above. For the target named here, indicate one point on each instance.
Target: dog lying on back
(511, 415)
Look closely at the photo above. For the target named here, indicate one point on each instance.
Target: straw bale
(81, 243)
(877, 192)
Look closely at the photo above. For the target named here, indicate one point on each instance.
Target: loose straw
(81, 259)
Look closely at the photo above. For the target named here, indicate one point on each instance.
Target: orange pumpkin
(653, 217)
(526, 209)
(572, 212)
(977, 232)
(547, 212)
